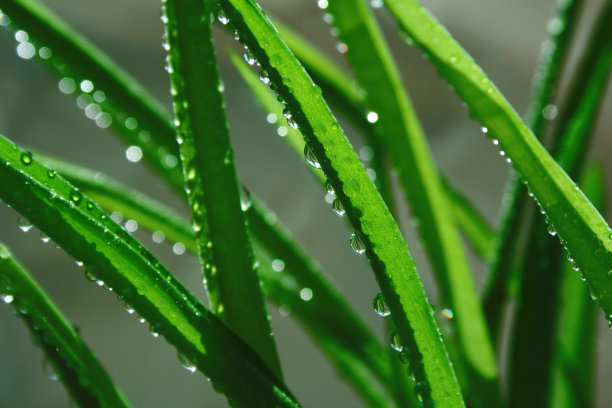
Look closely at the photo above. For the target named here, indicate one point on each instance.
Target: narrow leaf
(74, 364)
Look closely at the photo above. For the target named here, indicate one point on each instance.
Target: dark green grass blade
(122, 104)
(515, 214)
(114, 258)
(400, 131)
(376, 234)
(575, 342)
(74, 364)
(585, 232)
(343, 94)
(212, 188)
(327, 317)
(535, 334)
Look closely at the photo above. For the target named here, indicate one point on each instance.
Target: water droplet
(555, 26)
(263, 77)
(379, 305)
(576, 268)
(376, 4)
(131, 226)
(338, 208)
(371, 173)
(306, 294)
(342, 48)
(366, 153)
(86, 86)
(75, 197)
(372, 117)
(329, 187)
(282, 131)
(357, 243)
(21, 36)
(290, 121)
(485, 130)
(322, 4)
(311, 158)
(249, 57)
(271, 118)
(44, 238)
(26, 50)
(158, 237)
(7, 298)
(24, 224)
(49, 370)
(278, 265)
(394, 341)
(447, 313)
(178, 248)
(245, 198)
(187, 365)
(223, 19)
(551, 230)
(26, 158)
(550, 112)
(284, 310)
(133, 154)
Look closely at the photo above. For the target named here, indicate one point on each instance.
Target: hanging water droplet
(223, 19)
(187, 365)
(245, 198)
(278, 265)
(249, 57)
(329, 187)
(357, 243)
(311, 158)
(306, 294)
(7, 298)
(338, 208)
(24, 224)
(551, 230)
(395, 342)
(263, 77)
(290, 121)
(577, 268)
(379, 305)
(49, 370)
(44, 238)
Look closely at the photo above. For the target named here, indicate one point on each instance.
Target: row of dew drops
(90, 100)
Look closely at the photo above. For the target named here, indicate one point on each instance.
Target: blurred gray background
(503, 37)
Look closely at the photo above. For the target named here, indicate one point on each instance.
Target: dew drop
(278, 265)
(86, 86)
(372, 117)
(550, 112)
(376, 4)
(44, 238)
(75, 197)
(223, 19)
(26, 158)
(357, 243)
(366, 153)
(306, 294)
(551, 230)
(290, 121)
(245, 198)
(485, 130)
(7, 298)
(131, 226)
(576, 268)
(284, 310)
(133, 154)
(249, 57)
(271, 118)
(187, 365)
(311, 158)
(342, 48)
(379, 305)
(178, 248)
(24, 224)
(158, 237)
(282, 131)
(263, 77)
(49, 370)
(394, 341)
(338, 208)
(447, 313)
(322, 4)
(26, 50)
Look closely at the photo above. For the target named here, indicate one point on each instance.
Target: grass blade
(517, 211)
(400, 131)
(114, 258)
(212, 188)
(341, 92)
(109, 95)
(84, 378)
(376, 234)
(587, 236)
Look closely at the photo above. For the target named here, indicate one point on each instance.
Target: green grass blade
(84, 378)
(376, 234)
(115, 259)
(584, 231)
(400, 131)
(341, 92)
(575, 343)
(115, 98)
(509, 253)
(212, 188)
(328, 318)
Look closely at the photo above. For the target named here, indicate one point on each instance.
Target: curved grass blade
(86, 381)
(575, 342)
(212, 188)
(344, 94)
(586, 234)
(106, 93)
(376, 234)
(115, 259)
(284, 270)
(535, 334)
(517, 210)
(399, 129)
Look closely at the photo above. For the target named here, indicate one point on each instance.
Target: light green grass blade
(212, 188)
(575, 342)
(510, 245)
(115, 259)
(400, 131)
(345, 95)
(111, 98)
(584, 231)
(327, 316)
(376, 234)
(85, 379)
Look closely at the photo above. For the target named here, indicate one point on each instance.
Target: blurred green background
(503, 37)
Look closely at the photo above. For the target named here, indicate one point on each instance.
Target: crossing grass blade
(586, 234)
(84, 378)
(114, 258)
(377, 235)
